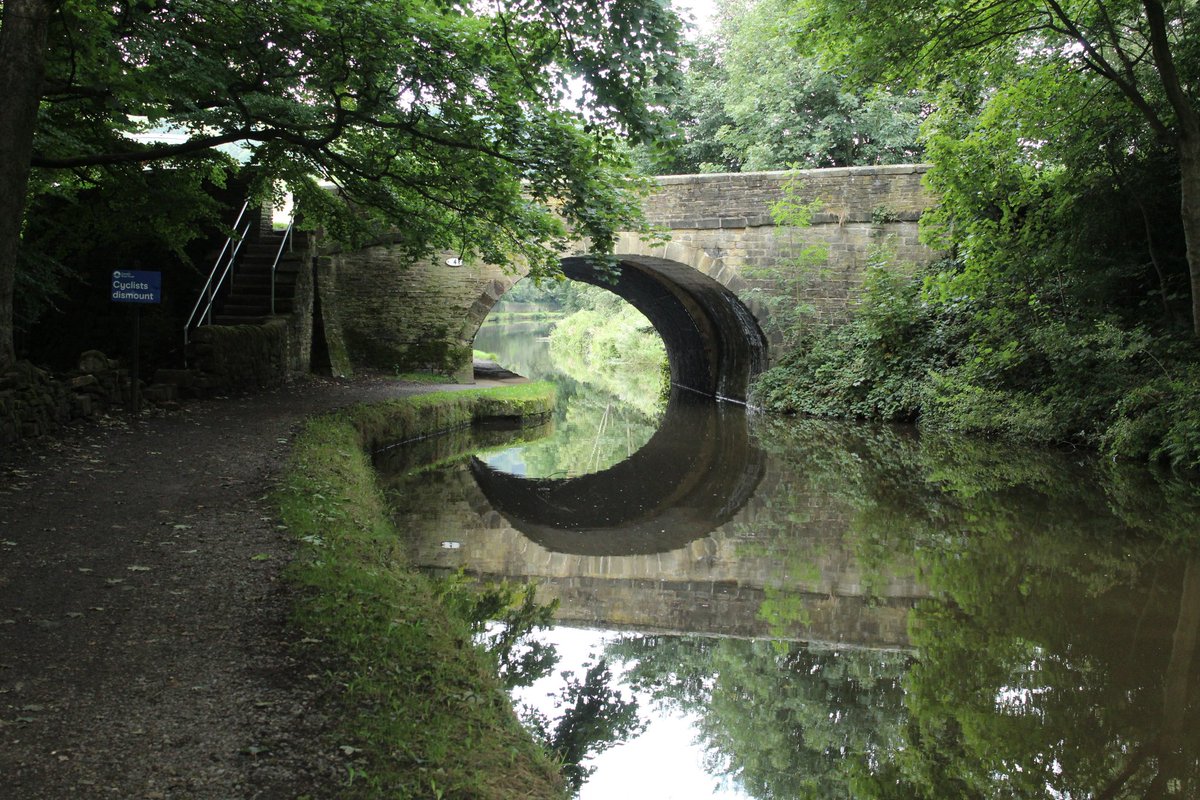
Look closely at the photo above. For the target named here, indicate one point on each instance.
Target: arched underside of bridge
(714, 344)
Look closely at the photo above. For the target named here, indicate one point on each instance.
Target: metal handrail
(285, 241)
(210, 290)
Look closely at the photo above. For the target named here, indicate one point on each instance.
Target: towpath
(144, 644)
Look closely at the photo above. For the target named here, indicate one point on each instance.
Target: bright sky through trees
(702, 13)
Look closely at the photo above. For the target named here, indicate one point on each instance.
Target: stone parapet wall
(744, 199)
(723, 226)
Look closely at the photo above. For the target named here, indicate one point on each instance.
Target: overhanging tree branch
(1185, 112)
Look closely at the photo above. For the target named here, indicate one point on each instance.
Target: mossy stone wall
(399, 316)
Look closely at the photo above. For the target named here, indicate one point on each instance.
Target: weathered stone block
(93, 361)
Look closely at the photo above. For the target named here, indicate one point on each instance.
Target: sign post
(137, 287)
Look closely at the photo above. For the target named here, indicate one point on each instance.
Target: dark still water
(812, 610)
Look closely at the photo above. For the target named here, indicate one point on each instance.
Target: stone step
(226, 319)
(264, 275)
(248, 296)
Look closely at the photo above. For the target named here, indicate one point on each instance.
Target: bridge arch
(714, 343)
(695, 474)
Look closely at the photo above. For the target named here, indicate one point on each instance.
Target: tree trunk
(1189, 177)
(23, 27)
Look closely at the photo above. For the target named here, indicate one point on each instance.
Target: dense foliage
(751, 102)
(1063, 311)
(456, 124)
(610, 344)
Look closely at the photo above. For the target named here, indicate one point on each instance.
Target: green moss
(424, 713)
(436, 353)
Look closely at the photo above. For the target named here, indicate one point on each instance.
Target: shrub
(1158, 420)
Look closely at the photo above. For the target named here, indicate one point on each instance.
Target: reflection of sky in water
(511, 460)
(665, 762)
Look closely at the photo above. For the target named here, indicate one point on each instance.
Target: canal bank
(421, 710)
(145, 642)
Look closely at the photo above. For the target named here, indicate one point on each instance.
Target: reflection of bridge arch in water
(694, 474)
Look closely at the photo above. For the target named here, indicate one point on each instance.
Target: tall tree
(752, 102)
(23, 26)
(451, 121)
(1144, 49)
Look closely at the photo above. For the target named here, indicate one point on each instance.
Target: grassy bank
(422, 712)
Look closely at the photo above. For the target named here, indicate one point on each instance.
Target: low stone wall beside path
(35, 402)
(238, 358)
(241, 357)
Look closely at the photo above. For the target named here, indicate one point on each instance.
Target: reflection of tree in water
(607, 408)
(594, 716)
(783, 721)
(1057, 656)
(593, 432)
(614, 350)
(592, 713)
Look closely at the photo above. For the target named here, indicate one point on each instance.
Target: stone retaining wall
(397, 315)
(35, 402)
(241, 357)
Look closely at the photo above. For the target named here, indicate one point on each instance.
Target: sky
(701, 11)
(666, 762)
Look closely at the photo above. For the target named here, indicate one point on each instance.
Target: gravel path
(144, 650)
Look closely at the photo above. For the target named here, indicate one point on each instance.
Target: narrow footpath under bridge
(707, 287)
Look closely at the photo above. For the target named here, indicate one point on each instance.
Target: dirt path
(144, 651)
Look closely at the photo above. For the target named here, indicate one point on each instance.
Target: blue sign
(136, 286)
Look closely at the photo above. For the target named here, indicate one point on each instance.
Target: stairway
(248, 299)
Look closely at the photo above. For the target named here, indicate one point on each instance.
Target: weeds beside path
(144, 650)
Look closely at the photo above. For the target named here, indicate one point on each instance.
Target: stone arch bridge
(708, 286)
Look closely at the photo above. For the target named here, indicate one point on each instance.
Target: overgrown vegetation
(1062, 312)
(911, 355)
(609, 343)
(423, 712)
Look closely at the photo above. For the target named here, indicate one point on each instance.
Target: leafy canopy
(460, 124)
(754, 102)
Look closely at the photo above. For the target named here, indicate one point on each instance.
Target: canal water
(774, 608)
